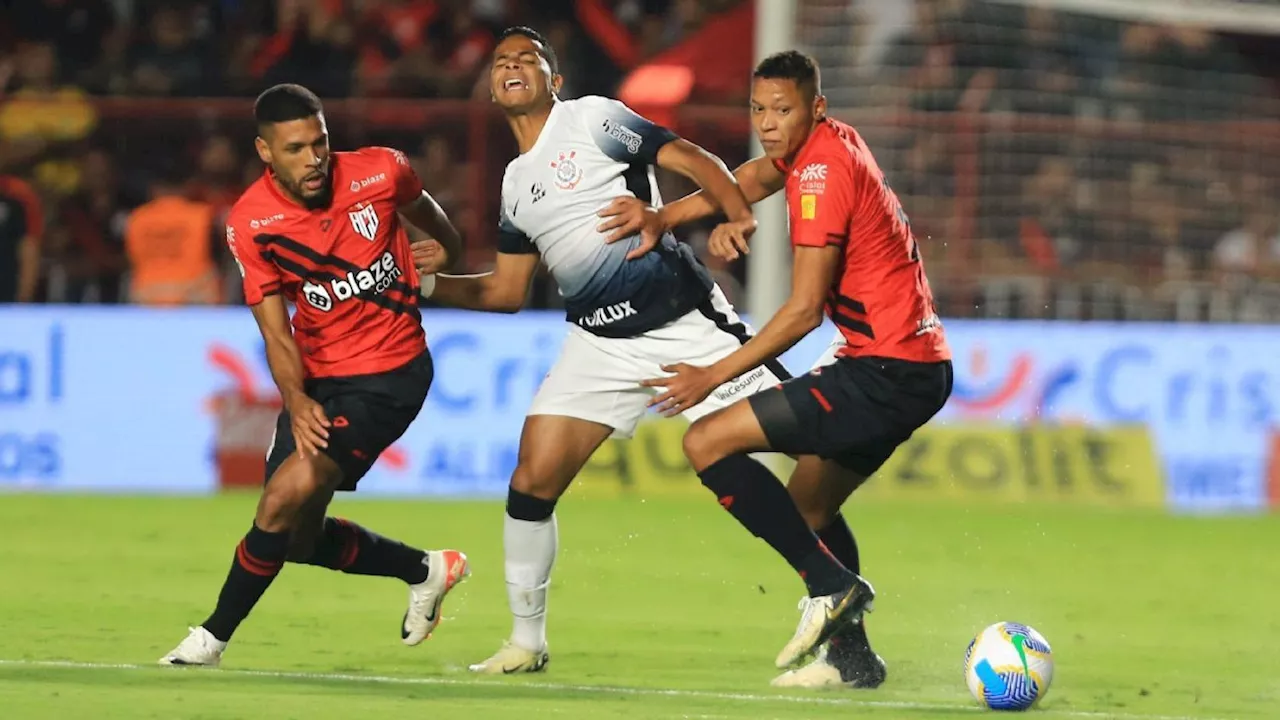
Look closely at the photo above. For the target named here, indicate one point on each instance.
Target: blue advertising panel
(132, 399)
(1209, 393)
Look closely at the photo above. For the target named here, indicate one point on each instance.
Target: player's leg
(259, 556)
(819, 488)
(592, 392)
(553, 450)
(717, 446)
(374, 412)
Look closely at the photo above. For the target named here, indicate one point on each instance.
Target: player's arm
(309, 422)
(424, 213)
(758, 178)
(503, 290)
(283, 356)
(718, 185)
(813, 272)
(421, 210)
(626, 216)
(262, 285)
(819, 230)
(812, 275)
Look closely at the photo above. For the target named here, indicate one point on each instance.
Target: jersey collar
(552, 119)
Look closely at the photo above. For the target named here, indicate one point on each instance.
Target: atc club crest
(364, 220)
(568, 173)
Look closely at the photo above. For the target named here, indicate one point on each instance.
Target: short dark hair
(285, 102)
(547, 51)
(792, 65)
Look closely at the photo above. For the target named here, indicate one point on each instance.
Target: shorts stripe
(739, 331)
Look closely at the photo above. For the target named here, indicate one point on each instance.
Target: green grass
(662, 608)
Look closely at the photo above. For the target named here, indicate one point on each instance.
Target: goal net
(1073, 159)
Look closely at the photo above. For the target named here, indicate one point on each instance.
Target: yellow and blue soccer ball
(1008, 666)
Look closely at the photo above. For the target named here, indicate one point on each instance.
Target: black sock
(760, 502)
(839, 540)
(258, 560)
(349, 548)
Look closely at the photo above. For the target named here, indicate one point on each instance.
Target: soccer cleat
(822, 616)
(447, 569)
(511, 659)
(858, 669)
(199, 648)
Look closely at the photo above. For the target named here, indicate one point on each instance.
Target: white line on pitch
(598, 689)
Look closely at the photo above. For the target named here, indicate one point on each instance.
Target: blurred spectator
(43, 122)
(170, 243)
(217, 179)
(21, 232)
(1252, 248)
(77, 31)
(170, 61)
(86, 252)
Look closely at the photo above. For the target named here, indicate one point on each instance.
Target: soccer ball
(1008, 666)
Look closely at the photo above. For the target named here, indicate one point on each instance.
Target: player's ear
(557, 82)
(819, 107)
(264, 150)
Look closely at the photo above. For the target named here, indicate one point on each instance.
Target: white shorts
(598, 378)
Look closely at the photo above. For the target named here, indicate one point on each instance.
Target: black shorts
(856, 411)
(368, 413)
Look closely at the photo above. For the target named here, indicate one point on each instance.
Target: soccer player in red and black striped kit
(855, 259)
(321, 230)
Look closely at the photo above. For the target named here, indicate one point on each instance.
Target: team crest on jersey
(364, 220)
(568, 173)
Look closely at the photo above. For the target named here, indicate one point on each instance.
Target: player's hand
(429, 256)
(627, 216)
(689, 386)
(729, 239)
(310, 426)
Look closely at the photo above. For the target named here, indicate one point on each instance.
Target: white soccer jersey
(590, 151)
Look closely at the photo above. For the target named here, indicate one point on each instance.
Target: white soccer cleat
(447, 569)
(818, 674)
(511, 659)
(822, 616)
(199, 648)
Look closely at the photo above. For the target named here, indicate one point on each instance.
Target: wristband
(428, 284)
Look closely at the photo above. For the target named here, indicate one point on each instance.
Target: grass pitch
(659, 609)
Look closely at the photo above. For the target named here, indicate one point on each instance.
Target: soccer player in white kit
(632, 313)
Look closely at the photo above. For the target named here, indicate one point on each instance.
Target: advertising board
(134, 399)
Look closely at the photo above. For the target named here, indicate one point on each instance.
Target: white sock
(530, 553)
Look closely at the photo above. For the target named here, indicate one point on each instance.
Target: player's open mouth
(313, 182)
(514, 85)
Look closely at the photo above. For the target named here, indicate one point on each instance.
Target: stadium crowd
(1053, 164)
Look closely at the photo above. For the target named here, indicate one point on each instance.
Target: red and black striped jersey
(880, 300)
(347, 267)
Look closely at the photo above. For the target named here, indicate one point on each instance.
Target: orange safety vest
(169, 242)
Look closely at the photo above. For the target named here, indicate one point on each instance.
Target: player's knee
(527, 481)
(701, 445)
(287, 493)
